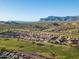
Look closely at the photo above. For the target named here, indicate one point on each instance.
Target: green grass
(62, 52)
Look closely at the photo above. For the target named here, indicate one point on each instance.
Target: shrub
(33, 42)
(40, 44)
(3, 49)
(21, 46)
(6, 39)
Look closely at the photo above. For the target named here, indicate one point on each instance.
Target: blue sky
(33, 10)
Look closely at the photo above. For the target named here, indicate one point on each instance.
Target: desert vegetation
(40, 40)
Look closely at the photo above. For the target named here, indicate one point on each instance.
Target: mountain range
(57, 18)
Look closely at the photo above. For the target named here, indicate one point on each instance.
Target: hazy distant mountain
(56, 18)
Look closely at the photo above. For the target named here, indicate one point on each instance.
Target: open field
(26, 37)
(61, 51)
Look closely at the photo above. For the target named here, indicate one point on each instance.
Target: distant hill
(56, 18)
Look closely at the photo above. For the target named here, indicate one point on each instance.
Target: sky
(33, 10)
